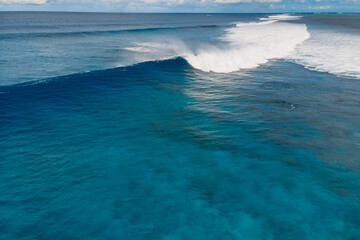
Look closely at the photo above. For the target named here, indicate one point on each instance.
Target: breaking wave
(247, 45)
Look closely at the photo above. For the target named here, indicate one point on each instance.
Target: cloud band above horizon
(183, 5)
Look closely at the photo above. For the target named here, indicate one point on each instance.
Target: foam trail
(336, 52)
(249, 46)
(281, 17)
(256, 23)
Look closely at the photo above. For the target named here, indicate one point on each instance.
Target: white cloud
(319, 7)
(146, 1)
(23, 1)
(273, 6)
(174, 2)
(232, 1)
(247, 1)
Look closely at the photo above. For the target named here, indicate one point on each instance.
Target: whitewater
(251, 44)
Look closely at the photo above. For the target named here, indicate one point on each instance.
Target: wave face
(250, 44)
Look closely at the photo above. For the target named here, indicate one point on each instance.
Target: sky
(208, 6)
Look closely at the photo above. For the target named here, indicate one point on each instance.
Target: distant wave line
(97, 32)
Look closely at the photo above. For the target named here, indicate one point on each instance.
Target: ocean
(179, 126)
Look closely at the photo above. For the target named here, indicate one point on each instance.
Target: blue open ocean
(179, 126)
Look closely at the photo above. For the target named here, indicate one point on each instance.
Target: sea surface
(179, 126)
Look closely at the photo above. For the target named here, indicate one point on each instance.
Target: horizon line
(289, 12)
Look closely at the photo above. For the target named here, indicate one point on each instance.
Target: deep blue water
(164, 150)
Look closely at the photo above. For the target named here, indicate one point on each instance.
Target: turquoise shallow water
(162, 150)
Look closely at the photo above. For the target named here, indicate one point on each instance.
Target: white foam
(252, 44)
(330, 51)
(249, 46)
(148, 47)
(255, 23)
(281, 17)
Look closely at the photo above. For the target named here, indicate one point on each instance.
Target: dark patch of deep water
(162, 151)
